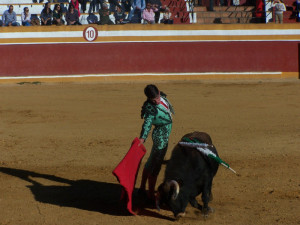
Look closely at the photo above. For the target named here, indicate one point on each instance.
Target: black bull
(188, 174)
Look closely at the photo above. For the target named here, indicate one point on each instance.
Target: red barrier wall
(148, 57)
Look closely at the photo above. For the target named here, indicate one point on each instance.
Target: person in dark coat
(119, 16)
(72, 16)
(92, 18)
(46, 15)
(57, 15)
(104, 16)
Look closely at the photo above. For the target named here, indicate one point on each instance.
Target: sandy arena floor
(60, 142)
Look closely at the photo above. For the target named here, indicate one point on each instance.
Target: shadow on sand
(81, 194)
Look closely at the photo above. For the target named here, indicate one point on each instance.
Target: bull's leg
(206, 195)
(211, 197)
(195, 203)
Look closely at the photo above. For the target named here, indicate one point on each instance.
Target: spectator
(136, 4)
(46, 15)
(75, 3)
(72, 16)
(26, 17)
(35, 21)
(236, 2)
(57, 15)
(298, 9)
(83, 5)
(211, 4)
(92, 18)
(9, 17)
(113, 4)
(156, 4)
(136, 17)
(148, 14)
(119, 16)
(167, 17)
(94, 5)
(104, 16)
(126, 5)
(279, 9)
(62, 3)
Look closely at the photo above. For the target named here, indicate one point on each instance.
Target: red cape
(127, 171)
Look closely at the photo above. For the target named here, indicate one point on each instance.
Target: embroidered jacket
(157, 115)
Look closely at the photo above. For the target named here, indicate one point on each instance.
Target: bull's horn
(173, 183)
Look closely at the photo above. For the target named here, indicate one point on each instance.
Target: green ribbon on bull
(203, 148)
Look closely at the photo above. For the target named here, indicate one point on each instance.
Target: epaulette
(148, 108)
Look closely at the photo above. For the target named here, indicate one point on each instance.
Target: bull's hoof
(207, 211)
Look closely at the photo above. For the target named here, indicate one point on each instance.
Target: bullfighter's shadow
(82, 194)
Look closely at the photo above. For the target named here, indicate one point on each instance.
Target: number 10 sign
(90, 34)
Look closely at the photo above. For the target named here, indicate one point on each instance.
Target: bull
(188, 174)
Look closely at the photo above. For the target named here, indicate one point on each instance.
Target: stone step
(234, 8)
(223, 20)
(224, 14)
(200, 9)
(225, 8)
(236, 20)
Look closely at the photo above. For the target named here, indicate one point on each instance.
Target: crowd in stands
(126, 11)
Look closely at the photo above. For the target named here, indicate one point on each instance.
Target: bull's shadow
(82, 194)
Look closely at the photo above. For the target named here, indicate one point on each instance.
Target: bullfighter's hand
(141, 141)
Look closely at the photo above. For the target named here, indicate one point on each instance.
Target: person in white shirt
(9, 17)
(25, 17)
(279, 9)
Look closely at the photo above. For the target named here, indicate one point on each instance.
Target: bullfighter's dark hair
(151, 91)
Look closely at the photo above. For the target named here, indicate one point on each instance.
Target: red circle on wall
(90, 34)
